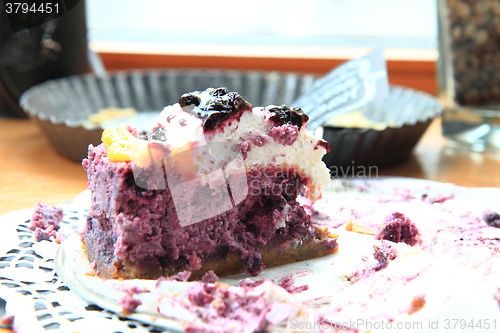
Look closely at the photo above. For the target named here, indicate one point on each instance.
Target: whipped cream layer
(216, 129)
(256, 136)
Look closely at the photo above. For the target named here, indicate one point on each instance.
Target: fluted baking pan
(62, 106)
(407, 113)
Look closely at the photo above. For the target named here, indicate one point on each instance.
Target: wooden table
(31, 170)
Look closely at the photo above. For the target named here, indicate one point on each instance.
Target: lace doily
(34, 293)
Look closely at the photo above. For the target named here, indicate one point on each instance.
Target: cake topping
(324, 144)
(157, 134)
(283, 115)
(121, 144)
(214, 106)
(272, 135)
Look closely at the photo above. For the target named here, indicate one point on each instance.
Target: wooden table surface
(31, 170)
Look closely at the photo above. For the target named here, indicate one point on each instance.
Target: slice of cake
(212, 187)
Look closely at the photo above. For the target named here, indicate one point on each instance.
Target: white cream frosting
(304, 154)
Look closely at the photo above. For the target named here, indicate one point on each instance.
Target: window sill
(414, 68)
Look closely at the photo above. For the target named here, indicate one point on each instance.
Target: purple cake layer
(132, 232)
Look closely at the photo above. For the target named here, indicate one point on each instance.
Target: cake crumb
(250, 283)
(45, 221)
(45, 234)
(287, 283)
(384, 254)
(7, 321)
(417, 303)
(210, 277)
(437, 199)
(227, 308)
(181, 276)
(60, 238)
(355, 227)
(128, 302)
(491, 218)
(398, 228)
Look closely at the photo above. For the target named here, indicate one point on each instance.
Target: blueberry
(283, 115)
(220, 105)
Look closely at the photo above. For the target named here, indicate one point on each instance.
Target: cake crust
(228, 264)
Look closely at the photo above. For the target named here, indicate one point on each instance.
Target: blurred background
(288, 35)
(269, 35)
(325, 23)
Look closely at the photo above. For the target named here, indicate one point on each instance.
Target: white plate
(452, 289)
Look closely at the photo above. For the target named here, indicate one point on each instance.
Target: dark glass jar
(54, 49)
(469, 71)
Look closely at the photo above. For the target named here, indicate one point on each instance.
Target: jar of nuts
(469, 71)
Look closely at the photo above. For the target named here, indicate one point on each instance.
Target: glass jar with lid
(469, 71)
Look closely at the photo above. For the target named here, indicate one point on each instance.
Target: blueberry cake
(213, 186)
